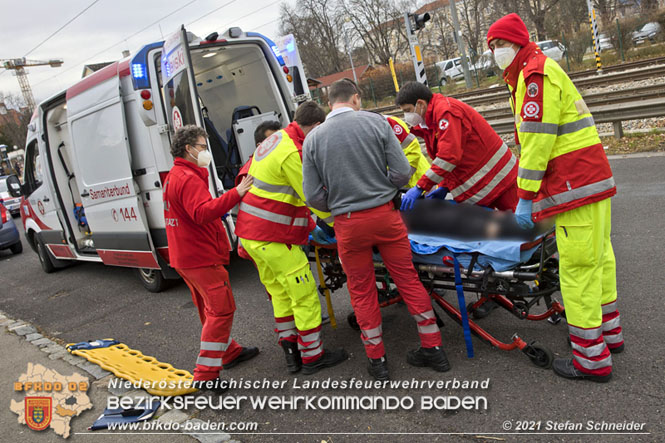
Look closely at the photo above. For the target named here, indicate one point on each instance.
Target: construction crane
(19, 65)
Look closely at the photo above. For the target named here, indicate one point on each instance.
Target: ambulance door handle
(85, 194)
(46, 199)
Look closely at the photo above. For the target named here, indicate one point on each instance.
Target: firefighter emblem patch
(532, 90)
(267, 146)
(531, 109)
(398, 129)
(443, 124)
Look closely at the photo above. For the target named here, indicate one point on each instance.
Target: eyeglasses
(203, 145)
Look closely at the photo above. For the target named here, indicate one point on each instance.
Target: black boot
(378, 368)
(292, 354)
(564, 367)
(327, 360)
(435, 358)
(485, 309)
(245, 354)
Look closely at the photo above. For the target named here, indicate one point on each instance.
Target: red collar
(296, 134)
(201, 172)
(512, 72)
(430, 118)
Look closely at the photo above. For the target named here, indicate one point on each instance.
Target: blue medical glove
(439, 193)
(320, 236)
(409, 199)
(523, 214)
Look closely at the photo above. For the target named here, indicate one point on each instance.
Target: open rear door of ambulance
(181, 100)
(102, 165)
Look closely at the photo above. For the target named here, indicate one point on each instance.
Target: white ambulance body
(97, 153)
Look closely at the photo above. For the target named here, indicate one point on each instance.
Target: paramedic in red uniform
(199, 249)
(469, 159)
(353, 167)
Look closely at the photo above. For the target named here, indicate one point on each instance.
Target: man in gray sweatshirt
(353, 167)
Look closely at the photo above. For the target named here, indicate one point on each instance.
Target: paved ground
(91, 301)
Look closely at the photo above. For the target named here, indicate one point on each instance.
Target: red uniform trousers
(357, 232)
(211, 293)
(506, 201)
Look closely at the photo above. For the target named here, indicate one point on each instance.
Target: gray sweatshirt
(352, 162)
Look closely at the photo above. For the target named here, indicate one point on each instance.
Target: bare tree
(537, 11)
(14, 120)
(607, 11)
(317, 26)
(437, 38)
(473, 23)
(379, 24)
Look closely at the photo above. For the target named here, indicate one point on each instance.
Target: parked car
(9, 236)
(10, 183)
(604, 42)
(648, 31)
(451, 69)
(553, 49)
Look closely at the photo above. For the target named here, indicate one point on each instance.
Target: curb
(100, 376)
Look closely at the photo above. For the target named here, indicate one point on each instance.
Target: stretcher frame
(517, 290)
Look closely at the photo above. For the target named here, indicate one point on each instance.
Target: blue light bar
(138, 71)
(271, 44)
(139, 66)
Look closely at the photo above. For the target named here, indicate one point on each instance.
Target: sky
(108, 27)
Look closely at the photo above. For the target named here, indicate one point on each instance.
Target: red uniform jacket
(469, 158)
(195, 233)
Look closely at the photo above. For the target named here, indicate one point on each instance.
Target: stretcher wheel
(353, 321)
(540, 355)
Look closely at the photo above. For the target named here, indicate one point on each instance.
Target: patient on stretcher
(467, 222)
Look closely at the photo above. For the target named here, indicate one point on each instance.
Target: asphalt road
(90, 301)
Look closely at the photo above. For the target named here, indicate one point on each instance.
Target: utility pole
(419, 21)
(594, 32)
(348, 50)
(461, 45)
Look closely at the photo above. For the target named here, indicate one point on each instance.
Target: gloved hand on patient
(321, 237)
(467, 222)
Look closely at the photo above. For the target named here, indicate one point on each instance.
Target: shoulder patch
(443, 124)
(268, 146)
(397, 129)
(531, 109)
(532, 90)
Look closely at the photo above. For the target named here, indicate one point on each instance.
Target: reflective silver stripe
(539, 128)
(575, 126)
(484, 192)
(424, 316)
(574, 194)
(301, 221)
(589, 364)
(436, 178)
(609, 308)
(286, 189)
(374, 332)
(530, 174)
(407, 141)
(266, 215)
(428, 329)
(213, 346)
(587, 334)
(212, 362)
(372, 341)
(310, 337)
(286, 326)
(287, 333)
(312, 353)
(482, 172)
(612, 324)
(591, 351)
(441, 163)
(613, 338)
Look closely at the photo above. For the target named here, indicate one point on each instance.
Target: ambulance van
(97, 153)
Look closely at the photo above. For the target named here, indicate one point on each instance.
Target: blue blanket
(501, 255)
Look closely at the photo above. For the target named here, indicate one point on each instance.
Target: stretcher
(517, 276)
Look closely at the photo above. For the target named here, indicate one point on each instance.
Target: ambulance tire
(45, 259)
(152, 279)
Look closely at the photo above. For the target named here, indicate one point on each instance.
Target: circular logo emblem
(398, 129)
(40, 206)
(267, 146)
(531, 109)
(443, 124)
(114, 213)
(532, 89)
(177, 118)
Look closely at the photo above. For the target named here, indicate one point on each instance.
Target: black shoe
(213, 385)
(433, 357)
(327, 360)
(378, 368)
(617, 350)
(564, 367)
(485, 309)
(245, 354)
(292, 354)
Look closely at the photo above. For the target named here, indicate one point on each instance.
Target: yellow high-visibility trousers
(587, 272)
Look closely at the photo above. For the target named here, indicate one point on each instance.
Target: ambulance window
(33, 168)
(177, 98)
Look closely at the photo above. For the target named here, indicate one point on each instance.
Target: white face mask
(203, 159)
(414, 118)
(504, 56)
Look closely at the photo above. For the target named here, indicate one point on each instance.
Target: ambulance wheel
(44, 259)
(152, 279)
(17, 248)
(353, 321)
(540, 356)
